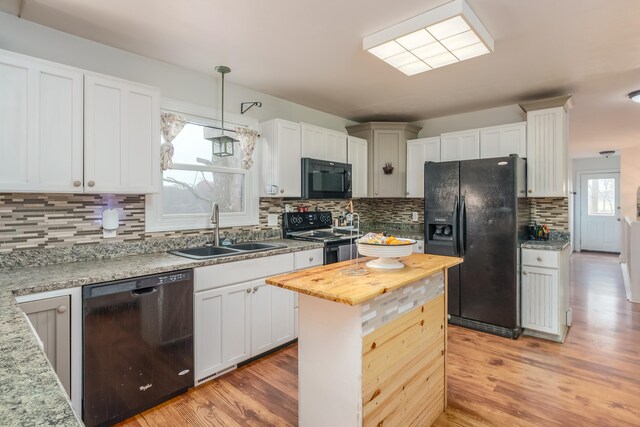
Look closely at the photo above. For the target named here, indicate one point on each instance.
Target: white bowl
(383, 252)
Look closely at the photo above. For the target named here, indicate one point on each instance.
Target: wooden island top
(328, 282)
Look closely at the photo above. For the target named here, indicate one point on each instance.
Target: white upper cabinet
(420, 151)
(40, 125)
(281, 154)
(116, 149)
(336, 146)
(463, 145)
(547, 152)
(122, 134)
(323, 144)
(502, 141)
(357, 157)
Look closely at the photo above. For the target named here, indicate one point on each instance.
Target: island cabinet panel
(403, 368)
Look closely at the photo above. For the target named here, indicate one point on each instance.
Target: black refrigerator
(477, 210)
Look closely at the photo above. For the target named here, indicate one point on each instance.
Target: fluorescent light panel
(445, 35)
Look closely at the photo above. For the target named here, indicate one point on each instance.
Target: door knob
(77, 183)
(91, 183)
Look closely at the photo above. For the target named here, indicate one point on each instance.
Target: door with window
(600, 212)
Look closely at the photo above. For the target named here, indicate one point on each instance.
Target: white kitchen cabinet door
(357, 157)
(502, 141)
(540, 299)
(51, 319)
(272, 317)
(313, 141)
(40, 126)
(335, 146)
(460, 145)
(222, 329)
(547, 142)
(420, 151)
(390, 147)
(281, 154)
(122, 137)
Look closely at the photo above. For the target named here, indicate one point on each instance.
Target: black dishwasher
(138, 344)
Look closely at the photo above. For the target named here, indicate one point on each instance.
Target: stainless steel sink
(208, 252)
(255, 246)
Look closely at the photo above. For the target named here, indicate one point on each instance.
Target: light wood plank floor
(593, 379)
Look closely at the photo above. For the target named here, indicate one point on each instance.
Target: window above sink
(197, 178)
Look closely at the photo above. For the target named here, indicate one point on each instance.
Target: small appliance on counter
(316, 227)
(322, 179)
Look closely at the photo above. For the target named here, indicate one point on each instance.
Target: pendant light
(223, 144)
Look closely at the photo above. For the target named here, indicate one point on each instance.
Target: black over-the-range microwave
(322, 179)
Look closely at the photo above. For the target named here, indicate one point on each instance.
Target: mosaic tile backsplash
(29, 221)
(553, 211)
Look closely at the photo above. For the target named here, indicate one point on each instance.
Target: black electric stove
(339, 245)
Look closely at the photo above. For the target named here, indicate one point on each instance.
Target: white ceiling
(311, 53)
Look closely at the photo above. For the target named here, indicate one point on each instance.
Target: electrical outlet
(414, 216)
(272, 219)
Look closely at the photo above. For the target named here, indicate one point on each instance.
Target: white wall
(476, 119)
(175, 82)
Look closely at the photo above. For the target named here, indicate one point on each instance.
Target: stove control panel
(297, 221)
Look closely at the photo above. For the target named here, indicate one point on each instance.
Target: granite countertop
(30, 392)
(328, 282)
(546, 245)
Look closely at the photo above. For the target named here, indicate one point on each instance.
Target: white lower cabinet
(545, 293)
(272, 317)
(239, 316)
(221, 329)
(55, 318)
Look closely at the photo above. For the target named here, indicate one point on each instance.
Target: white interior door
(600, 212)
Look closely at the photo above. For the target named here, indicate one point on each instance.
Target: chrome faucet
(215, 220)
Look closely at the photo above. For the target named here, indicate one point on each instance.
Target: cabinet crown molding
(406, 126)
(565, 101)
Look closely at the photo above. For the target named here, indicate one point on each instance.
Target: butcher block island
(371, 348)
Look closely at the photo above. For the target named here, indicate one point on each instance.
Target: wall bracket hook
(250, 104)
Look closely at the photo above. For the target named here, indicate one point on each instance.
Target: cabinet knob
(255, 289)
(61, 309)
(376, 193)
(524, 273)
(249, 290)
(77, 183)
(282, 190)
(539, 259)
(530, 191)
(310, 259)
(91, 183)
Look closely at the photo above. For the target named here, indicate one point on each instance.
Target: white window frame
(155, 221)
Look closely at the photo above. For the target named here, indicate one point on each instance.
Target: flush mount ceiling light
(635, 96)
(441, 36)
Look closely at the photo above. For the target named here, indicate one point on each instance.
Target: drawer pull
(539, 259)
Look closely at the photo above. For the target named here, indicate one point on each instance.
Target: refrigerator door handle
(456, 221)
(462, 227)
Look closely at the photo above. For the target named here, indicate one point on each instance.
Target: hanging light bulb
(222, 144)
